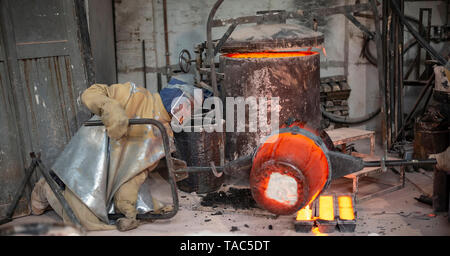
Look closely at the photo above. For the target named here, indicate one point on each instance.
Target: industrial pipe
(210, 47)
(348, 120)
(419, 38)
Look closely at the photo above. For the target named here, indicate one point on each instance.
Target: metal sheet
(94, 176)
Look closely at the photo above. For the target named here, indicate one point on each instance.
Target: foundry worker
(114, 104)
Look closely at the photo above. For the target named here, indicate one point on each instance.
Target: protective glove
(96, 99)
(115, 119)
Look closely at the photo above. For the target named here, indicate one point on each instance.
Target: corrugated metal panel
(46, 69)
(51, 103)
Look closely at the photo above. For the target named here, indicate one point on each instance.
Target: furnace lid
(269, 37)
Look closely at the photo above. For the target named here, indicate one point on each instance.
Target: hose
(373, 60)
(348, 120)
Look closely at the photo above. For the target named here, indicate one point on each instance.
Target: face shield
(181, 109)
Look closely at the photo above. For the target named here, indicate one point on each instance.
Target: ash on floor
(235, 197)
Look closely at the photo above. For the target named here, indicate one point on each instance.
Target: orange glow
(270, 158)
(270, 54)
(346, 208)
(316, 232)
(326, 208)
(305, 214)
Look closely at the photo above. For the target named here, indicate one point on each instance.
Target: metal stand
(36, 162)
(170, 169)
(58, 191)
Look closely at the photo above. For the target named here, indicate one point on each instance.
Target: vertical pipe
(400, 67)
(381, 74)
(155, 46)
(210, 48)
(390, 52)
(166, 40)
(159, 82)
(387, 22)
(210, 55)
(419, 52)
(396, 72)
(144, 70)
(428, 69)
(115, 39)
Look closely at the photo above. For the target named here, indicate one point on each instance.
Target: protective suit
(103, 168)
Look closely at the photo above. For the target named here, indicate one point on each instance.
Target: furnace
(272, 61)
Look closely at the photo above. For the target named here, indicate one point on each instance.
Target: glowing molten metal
(346, 211)
(270, 54)
(305, 214)
(326, 208)
(289, 171)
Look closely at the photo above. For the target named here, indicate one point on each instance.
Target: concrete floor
(395, 213)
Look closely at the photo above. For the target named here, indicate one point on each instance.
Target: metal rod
(166, 40)
(381, 75)
(419, 99)
(130, 122)
(411, 67)
(198, 169)
(225, 37)
(210, 47)
(390, 78)
(159, 81)
(170, 169)
(419, 49)
(57, 191)
(19, 192)
(425, 105)
(213, 75)
(414, 83)
(392, 163)
(400, 48)
(295, 15)
(358, 24)
(144, 64)
(419, 39)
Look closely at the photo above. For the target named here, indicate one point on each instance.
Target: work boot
(161, 208)
(39, 202)
(125, 224)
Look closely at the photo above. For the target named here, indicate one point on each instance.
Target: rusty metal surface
(269, 37)
(11, 164)
(431, 132)
(199, 149)
(50, 102)
(295, 80)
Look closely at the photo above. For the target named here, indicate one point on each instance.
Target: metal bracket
(37, 162)
(170, 169)
(358, 24)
